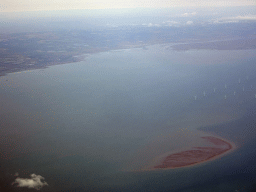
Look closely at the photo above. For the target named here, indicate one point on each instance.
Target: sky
(39, 5)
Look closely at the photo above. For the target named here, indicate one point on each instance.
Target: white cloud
(235, 19)
(171, 23)
(185, 15)
(110, 25)
(34, 182)
(188, 14)
(151, 25)
(189, 22)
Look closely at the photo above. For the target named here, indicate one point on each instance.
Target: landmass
(234, 44)
(34, 50)
(196, 155)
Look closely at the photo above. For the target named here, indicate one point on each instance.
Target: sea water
(98, 124)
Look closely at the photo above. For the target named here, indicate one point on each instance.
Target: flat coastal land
(35, 50)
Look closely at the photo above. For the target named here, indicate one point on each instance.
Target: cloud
(151, 25)
(235, 19)
(188, 14)
(189, 22)
(36, 5)
(171, 23)
(34, 182)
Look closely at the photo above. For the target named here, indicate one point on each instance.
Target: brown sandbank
(196, 154)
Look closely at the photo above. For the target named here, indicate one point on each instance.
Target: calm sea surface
(96, 124)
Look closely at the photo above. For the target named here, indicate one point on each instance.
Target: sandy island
(195, 155)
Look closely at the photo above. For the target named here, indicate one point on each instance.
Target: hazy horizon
(36, 5)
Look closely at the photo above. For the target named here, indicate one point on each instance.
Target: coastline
(74, 59)
(20, 63)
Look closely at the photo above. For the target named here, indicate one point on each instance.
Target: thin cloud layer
(235, 19)
(151, 25)
(189, 22)
(188, 14)
(34, 182)
(171, 23)
(37, 5)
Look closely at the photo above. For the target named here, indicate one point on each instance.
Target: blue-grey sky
(39, 5)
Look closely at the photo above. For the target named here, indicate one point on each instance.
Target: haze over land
(38, 39)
